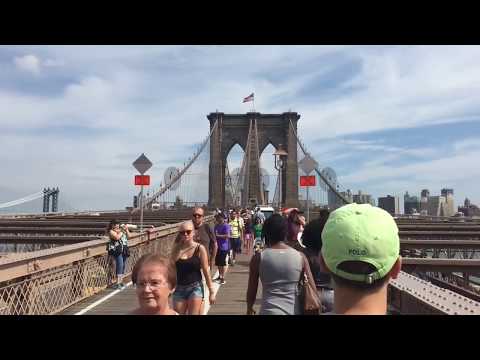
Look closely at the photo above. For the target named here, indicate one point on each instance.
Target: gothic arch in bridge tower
(232, 129)
(233, 162)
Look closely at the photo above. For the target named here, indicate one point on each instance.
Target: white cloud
(159, 96)
(28, 63)
(457, 168)
(53, 63)
(402, 87)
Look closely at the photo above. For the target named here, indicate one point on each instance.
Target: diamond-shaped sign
(142, 164)
(307, 164)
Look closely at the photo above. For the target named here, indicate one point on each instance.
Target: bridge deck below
(110, 302)
(231, 299)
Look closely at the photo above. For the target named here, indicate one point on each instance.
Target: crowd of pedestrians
(338, 263)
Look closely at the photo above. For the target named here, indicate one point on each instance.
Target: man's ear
(397, 267)
(323, 266)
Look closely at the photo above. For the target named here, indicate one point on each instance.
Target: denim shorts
(186, 292)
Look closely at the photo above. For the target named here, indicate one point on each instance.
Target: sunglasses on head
(185, 232)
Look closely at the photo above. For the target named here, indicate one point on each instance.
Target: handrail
(41, 260)
(48, 281)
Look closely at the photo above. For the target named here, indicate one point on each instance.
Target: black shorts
(221, 258)
(236, 245)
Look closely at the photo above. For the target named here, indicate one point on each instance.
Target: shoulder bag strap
(197, 252)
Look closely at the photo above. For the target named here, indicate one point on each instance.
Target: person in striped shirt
(235, 240)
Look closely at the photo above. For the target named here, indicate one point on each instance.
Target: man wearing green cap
(361, 250)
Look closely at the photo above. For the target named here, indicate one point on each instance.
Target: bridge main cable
(324, 179)
(162, 190)
(22, 200)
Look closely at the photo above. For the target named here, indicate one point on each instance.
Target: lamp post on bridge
(280, 162)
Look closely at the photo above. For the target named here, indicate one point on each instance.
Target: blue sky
(386, 118)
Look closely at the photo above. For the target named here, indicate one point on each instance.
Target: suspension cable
(260, 182)
(167, 186)
(331, 187)
(22, 200)
(243, 176)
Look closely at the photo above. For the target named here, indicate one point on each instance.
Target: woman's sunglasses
(185, 232)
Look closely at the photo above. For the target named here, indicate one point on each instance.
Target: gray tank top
(280, 271)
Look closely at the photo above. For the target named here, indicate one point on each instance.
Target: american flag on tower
(248, 98)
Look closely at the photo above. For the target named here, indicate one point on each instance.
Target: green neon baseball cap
(360, 232)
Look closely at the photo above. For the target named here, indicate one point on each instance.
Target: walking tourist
(235, 241)
(155, 278)
(279, 268)
(258, 243)
(222, 233)
(312, 240)
(259, 215)
(191, 260)
(361, 250)
(295, 223)
(204, 234)
(248, 231)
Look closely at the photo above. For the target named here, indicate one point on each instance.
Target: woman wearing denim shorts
(191, 260)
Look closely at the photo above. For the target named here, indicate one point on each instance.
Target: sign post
(307, 164)
(307, 181)
(308, 205)
(142, 164)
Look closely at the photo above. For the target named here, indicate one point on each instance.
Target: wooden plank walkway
(120, 303)
(231, 297)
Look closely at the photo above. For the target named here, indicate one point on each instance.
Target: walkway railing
(48, 281)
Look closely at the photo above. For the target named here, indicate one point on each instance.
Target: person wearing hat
(361, 250)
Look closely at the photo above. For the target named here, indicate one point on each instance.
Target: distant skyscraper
(411, 204)
(361, 198)
(390, 203)
(449, 202)
(425, 194)
(436, 206)
(347, 195)
(445, 192)
(469, 209)
(333, 200)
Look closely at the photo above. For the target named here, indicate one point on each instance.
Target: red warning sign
(142, 179)
(307, 180)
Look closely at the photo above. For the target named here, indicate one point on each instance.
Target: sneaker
(217, 279)
(222, 282)
(122, 286)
